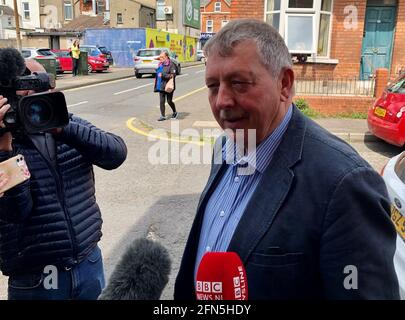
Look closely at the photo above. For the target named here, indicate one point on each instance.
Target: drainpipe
(94, 5)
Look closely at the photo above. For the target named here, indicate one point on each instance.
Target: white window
(26, 10)
(217, 7)
(304, 24)
(210, 26)
(67, 7)
(224, 22)
(119, 18)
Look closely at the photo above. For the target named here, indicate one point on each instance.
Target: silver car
(147, 61)
(41, 53)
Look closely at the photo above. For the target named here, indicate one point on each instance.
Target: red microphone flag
(221, 276)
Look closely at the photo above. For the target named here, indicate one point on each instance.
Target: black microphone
(141, 274)
(12, 64)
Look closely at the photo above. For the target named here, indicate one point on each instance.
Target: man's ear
(286, 80)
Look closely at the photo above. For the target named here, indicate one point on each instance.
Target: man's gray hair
(270, 45)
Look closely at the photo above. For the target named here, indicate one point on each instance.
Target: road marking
(98, 84)
(183, 75)
(132, 89)
(160, 137)
(77, 104)
(187, 95)
(206, 124)
(201, 71)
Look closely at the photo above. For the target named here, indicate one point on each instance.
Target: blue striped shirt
(229, 200)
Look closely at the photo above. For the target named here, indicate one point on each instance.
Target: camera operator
(52, 220)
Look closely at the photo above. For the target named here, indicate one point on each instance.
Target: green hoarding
(191, 13)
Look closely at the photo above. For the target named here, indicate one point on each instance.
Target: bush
(301, 104)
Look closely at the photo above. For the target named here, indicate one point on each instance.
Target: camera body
(34, 113)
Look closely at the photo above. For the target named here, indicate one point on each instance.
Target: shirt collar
(260, 157)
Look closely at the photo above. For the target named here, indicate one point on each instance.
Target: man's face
(242, 93)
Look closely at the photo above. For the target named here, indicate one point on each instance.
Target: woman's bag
(169, 86)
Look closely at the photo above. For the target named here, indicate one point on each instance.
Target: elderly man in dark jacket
(51, 224)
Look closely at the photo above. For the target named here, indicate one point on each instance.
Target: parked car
(94, 63)
(200, 55)
(97, 61)
(386, 119)
(394, 177)
(147, 61)
(41, 53)
(107, 53)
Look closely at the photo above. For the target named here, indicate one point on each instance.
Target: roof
(83, 22)
(203, 3)
(6, 10)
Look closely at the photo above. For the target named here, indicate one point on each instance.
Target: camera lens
(39, 113)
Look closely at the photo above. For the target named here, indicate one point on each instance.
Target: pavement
(194, 112)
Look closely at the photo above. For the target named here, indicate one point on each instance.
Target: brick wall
(247, 9)
(332, 105)
(398, 56)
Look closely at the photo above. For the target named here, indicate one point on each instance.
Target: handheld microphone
(12, 64)
(141, 274)
(221, 276)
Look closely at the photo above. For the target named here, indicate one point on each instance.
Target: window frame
(67, 3)
(212, 26)
(215, 6)
(25, 11)
(121, 20)
(316, 12)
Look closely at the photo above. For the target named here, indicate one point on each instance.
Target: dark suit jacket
(318, 209)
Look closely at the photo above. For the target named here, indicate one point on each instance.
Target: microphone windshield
(12, 64)
(221, 276)
(141, 274)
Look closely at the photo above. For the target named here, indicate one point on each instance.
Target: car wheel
(178, 70)
(89, 68)
(138, 75)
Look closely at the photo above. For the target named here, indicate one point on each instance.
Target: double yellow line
(131, 127)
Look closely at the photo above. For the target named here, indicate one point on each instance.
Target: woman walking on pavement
(165, 72)
(75, 50)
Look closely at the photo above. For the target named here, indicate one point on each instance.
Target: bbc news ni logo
(207, 290)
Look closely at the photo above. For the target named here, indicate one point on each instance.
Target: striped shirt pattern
(229, 200)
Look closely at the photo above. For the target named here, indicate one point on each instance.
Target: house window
(26, 10)
(10, 21)
(119, 18)
(304, 24)
(217, 7)
(273, 13)
(67, 8)
(210, 26)
(224, 22)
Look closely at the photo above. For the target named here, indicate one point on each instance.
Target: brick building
(214, 15)
(343, 38)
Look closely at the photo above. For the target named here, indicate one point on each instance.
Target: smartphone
(16, 170)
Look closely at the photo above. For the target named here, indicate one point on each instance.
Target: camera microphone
(12, 64)
(141, 274)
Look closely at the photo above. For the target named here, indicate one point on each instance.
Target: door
(377, 40)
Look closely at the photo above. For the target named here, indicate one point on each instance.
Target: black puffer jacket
(53, 218)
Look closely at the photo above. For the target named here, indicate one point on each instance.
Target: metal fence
(335, 87)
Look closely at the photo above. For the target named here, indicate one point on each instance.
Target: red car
(95, 63)
(386, 119)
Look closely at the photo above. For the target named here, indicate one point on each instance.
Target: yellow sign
(184, 47)
(399, 221)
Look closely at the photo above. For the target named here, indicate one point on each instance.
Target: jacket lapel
(271, 191)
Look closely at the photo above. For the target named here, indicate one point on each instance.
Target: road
(140, 198)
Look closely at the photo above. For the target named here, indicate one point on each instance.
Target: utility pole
(17, 25)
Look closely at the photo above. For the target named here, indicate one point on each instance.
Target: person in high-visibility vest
(75, 52)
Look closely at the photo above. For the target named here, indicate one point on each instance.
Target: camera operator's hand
(5, 139)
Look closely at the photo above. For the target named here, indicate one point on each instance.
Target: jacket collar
(276, 181)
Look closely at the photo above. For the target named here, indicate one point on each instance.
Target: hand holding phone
(13, 172)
